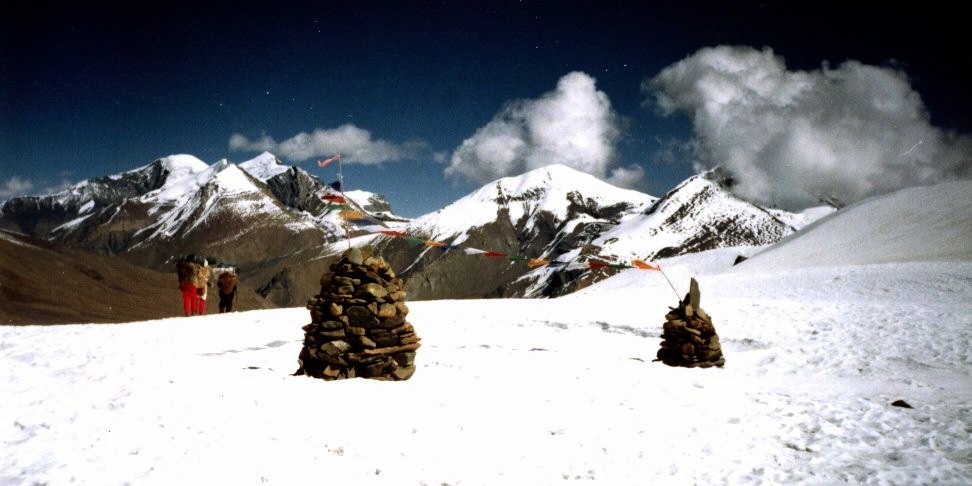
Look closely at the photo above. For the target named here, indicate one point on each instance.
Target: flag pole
(669, 282)
(659, 268)
(344, 222)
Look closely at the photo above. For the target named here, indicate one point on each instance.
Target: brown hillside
(42, 283)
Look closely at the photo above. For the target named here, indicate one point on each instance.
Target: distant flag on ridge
(363, 221)
(333, 198)
(643, 265)
(323, 163)
(351, 215)
(336, 185)
(537, 262)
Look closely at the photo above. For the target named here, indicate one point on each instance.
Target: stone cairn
(688, 337)
(358, 326)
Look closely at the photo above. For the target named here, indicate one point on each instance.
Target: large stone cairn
(688, 337)
(358, 326)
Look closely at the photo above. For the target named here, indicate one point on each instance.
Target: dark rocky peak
(297, 189)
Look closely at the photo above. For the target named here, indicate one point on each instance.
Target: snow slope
(529, 391)
(915, 224)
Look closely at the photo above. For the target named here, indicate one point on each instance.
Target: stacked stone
(358, 326)
(689, 339)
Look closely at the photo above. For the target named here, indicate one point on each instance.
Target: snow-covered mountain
(168, 199)
(259, 215)
(267, 218)
(539, 214)
(560, 214)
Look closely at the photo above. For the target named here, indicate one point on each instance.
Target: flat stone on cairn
(689, 339)
(358, 326)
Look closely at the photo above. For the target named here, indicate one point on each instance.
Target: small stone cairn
(358, 326)
(688, 337)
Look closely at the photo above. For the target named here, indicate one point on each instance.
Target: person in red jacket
(190, 293)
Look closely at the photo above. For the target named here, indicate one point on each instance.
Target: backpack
(186, 270)
(226, 282)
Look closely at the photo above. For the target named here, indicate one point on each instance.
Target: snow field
(521, 391)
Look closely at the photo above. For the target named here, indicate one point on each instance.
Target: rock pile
(689, 338)
(358, 326)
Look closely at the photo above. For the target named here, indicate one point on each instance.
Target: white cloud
(572, 125)
(16, 186)
(240, 143)
(626, 176)
(56, 187)
(353, 143)
(791, 136)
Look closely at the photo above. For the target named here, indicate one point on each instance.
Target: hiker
(187, 285)
(201, 280)
(227, 289)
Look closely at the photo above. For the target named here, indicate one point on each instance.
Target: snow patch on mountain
(803, 218)
(264, 166)
(186, 174)
(72, 224)
(233, 180)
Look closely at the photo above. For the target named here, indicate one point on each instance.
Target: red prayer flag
(644, 265)
(334, 198)
(323, 163)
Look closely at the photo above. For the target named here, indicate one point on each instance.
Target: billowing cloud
(240, 143)
(16, 186)
(353, 143)
(791, 137)
(626, 176)
(572, 125)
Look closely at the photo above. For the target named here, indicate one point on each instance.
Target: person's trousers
(226, 303)
(189, 301)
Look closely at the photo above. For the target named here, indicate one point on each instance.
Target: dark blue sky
(90, 90)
